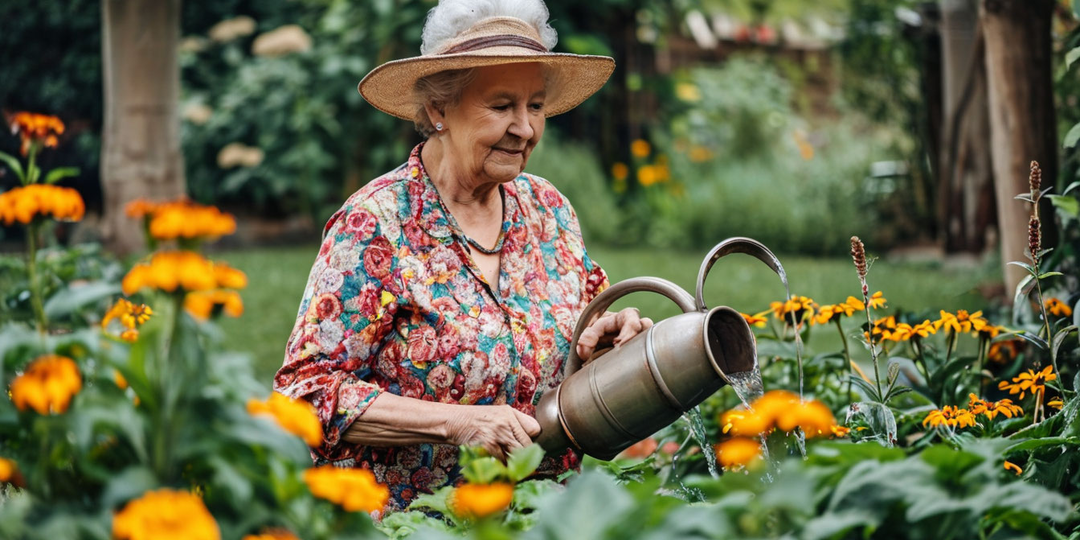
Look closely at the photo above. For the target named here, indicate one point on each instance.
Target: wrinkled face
(497, 122)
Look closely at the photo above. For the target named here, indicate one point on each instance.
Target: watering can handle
(737, 244)
(617, 291)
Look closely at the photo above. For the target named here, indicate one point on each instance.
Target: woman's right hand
(498, 428)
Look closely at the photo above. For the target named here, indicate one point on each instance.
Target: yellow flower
(1003, 352)
(640, 148)
(1010, 466)
(878, 300)
(755, 320)
(883, 328)
(700, 154)
(840, 431)
(687, 92)
(184, 270)
(779, 409)
(201, 304)
(1058, 308)
(648, 175)
(295, 416)
(950, 416)
(1055, 403)
(794, 310)
(36, 129)
(186, 219)
(355, 490)
(129, 317)
(991, 409)
(620, 171)
(120, 380)
(738, 452)
(165, 514)
(962, 321)
(47, 386)
(1029, 381)
(481, 500)
(24, 204)
(923, 329)
(273, 534)
(7, 470)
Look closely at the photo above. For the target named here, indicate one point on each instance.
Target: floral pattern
(395, 303)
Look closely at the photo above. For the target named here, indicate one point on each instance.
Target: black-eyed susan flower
(839, 432)
(47, 385)
(165, 513)
(1003, 352)
(961, 321)
(794, 310)
(877, 301)
(127, 317)
(475, 501)
(1029, 381)
(757, 320)
(1010, 466)
(1056, 403)
(950, 416)
(991, 409)
(355, 490)
(1058, 308)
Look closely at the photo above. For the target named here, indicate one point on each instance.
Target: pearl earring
(438, 126)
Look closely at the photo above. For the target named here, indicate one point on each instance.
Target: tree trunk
(965, 187)
(1018, 66)
(140, 152)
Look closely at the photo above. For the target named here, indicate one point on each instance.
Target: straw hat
(489, 42)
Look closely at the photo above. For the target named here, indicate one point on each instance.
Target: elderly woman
(443, 300)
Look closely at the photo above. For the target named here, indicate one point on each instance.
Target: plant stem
(35, 286)
(870, 337)
(984, 344)
(949, 350)
(1049, 332)
(847, 355)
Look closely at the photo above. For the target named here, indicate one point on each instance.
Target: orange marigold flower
(620, 171)
(7, 470)
(202, 304)
(950, 416)
(140, 208)
(165, 513)
(476, 501)
(1010, 466)
(355, 490)
(738, 453)
(184, 270)
(186, 219)
(24, 204)
(779, 409)
(1029, 381)
(47, 386)
(640, 148)
(1058, 308)
(839, 431)
(36, 129)
(295, 416)
(272, 534)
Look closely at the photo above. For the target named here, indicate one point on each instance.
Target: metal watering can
(628, 393)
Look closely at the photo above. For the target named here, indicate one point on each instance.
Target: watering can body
(628, 393)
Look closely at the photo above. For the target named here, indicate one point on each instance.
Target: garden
(901, 395)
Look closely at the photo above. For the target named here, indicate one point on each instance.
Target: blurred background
(796, 123)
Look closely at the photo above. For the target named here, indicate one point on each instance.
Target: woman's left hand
(611, 329)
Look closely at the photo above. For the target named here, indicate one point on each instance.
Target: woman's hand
(611, 329)
(498, 428)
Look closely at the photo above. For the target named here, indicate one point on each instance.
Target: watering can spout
(649, 381)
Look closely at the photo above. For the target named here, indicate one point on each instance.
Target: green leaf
(869, 388)
(1064, 203)
(1071, 57)
(14, 165)
(61, 173)
(1025, 266)
(1045, 275)
(1059, 339)
(1032, 444)
(438, 501)
(522, 462)
(1023, 288)
(1071, 187)
(527, 495)
(131, 483)
(74, 298)
(1072, 136)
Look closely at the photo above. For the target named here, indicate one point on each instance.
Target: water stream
(697, 429)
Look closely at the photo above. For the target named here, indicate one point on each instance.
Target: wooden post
(1018, 67)
(140, 151)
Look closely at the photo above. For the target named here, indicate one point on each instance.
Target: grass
(277, 277)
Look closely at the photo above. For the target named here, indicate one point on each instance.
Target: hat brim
(389, 87)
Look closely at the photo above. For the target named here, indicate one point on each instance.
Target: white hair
(452, 17)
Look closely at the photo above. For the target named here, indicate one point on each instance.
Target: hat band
(503, 40)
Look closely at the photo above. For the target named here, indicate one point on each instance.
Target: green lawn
(277, 277)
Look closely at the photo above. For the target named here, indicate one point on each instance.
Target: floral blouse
(395, 303)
